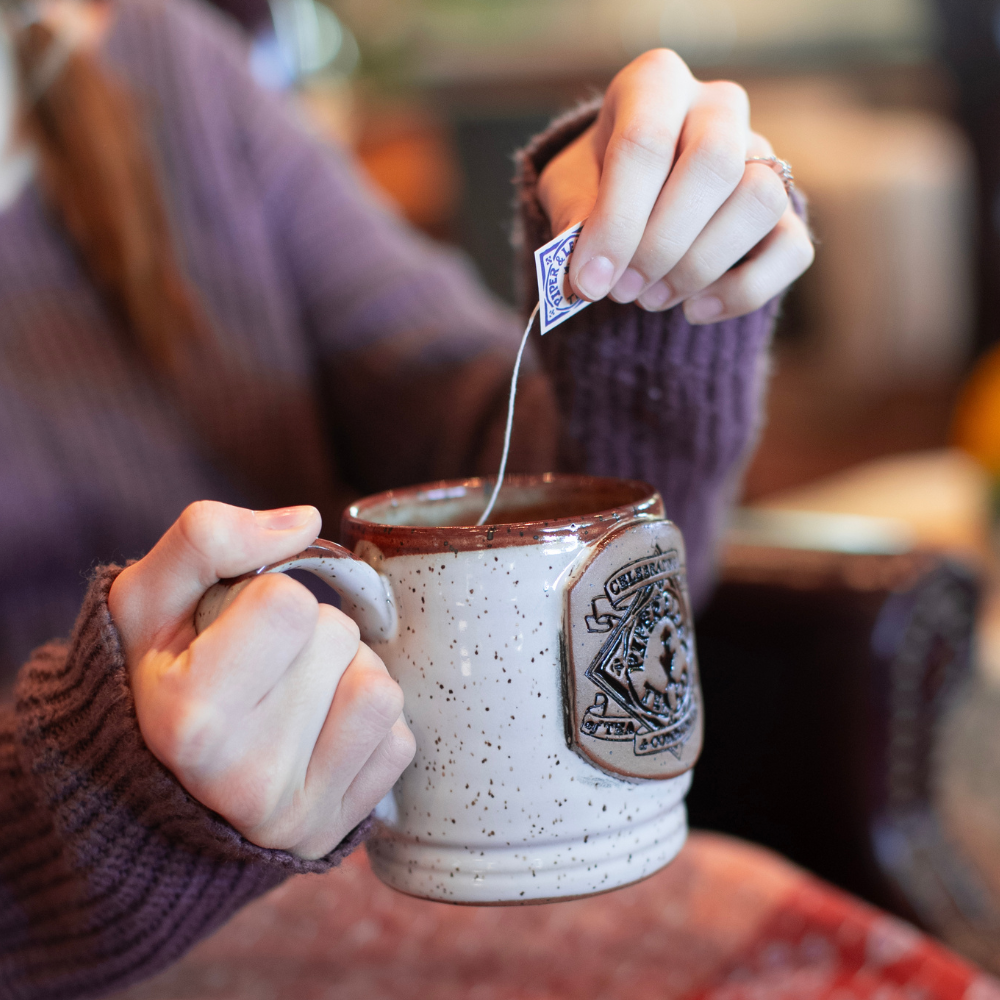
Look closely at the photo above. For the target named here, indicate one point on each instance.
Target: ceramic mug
(549, 674)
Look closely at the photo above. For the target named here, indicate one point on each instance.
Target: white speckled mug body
(497, 807)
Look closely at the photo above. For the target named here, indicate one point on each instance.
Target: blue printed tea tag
(558, 301)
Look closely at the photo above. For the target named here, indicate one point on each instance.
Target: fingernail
(284, 518)
(628, 286)
(594, 279)
(656, 296)
(703, 310)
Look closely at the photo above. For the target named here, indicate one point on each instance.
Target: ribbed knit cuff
(647, 395)
(109, 869)
(79, 736)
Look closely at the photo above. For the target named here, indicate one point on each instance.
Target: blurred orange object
(405, 149)
(409, 156)
(976, 427)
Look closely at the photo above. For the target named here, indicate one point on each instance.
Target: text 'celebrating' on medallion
(633, 677)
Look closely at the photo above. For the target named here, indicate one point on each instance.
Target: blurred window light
(819, 532)
(454, 40)
(716, 29)
(699, 29)
(307, 38)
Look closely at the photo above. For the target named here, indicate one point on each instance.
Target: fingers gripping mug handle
(367, 595)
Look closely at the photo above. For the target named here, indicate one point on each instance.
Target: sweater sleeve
(623, 392)
(647, 395)
(415, 357)
(411, 354)
(109, 869)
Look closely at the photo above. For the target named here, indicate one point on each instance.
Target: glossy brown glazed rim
(616, 501)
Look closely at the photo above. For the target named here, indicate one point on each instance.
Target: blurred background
(860, 95)
(851, 658)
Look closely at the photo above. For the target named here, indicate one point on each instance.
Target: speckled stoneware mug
(548, 666)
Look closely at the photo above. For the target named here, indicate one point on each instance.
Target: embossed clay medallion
(634, 698)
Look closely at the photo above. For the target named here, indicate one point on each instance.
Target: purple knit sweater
(351, 354)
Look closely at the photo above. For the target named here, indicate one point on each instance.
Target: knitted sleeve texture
(647, 395)
(109, 869)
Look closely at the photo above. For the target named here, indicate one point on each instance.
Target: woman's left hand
(670, 203)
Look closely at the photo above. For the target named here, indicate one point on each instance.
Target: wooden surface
(725, 921)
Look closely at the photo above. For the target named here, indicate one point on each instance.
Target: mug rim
(404, 539)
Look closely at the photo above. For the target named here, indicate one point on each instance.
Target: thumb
(209, 542)
(568, 211)
(568, 186)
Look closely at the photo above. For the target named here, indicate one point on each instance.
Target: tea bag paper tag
(556, 298)
(556, 303)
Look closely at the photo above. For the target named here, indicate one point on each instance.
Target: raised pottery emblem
(632, 676)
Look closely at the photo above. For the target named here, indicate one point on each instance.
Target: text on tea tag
(557, 300)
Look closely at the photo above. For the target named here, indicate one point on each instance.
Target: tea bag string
(510, 417)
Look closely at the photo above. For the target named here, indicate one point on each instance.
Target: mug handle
(367, 594)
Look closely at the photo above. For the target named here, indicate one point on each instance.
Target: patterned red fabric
(725, 921)
(825, 945)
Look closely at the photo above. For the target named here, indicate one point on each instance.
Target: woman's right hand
(277, 717)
